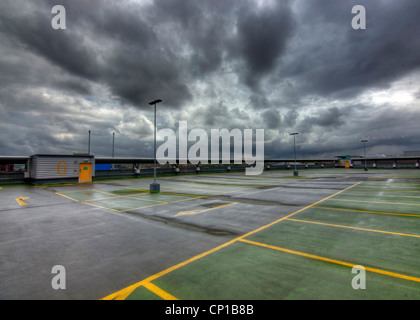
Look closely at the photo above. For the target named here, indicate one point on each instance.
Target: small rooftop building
(47, 168)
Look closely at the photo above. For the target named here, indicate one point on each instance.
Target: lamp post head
(294, 133)
(155, 101)
(364, 140)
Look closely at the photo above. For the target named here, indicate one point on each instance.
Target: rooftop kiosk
(47, 168)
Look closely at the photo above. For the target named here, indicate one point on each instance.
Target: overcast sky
(282, 66)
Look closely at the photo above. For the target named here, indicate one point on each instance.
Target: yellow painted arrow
(188, 212)
(199, 211)
(21, 202)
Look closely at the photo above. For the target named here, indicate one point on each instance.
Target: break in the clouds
(283, 66)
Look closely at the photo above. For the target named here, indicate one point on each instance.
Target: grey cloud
(65, 49)
(332, 117)
(336, 60)
(283, 59)
(271, 119)
(262, 38)
(259, 101)
(290, 117)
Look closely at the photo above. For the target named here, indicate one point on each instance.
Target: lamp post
(89, 143)
(154, 187)
(113, 143)
(364, 147)
(295, 173)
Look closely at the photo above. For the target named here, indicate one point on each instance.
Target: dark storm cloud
(336, 59)
(262, 38)
(332, 117)
(290, 117)
(128, 56)
(291, 65)
(271, 118)
(34, 33)
(259, 101)
(202, 27)
(140, 66)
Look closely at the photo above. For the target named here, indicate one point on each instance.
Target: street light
(295, 173)
(364, 147)
(89, 143)
(113, 143)
(154, 187)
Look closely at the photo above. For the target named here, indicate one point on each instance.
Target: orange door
(85, 172)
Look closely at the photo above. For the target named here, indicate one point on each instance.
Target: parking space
(217, 236)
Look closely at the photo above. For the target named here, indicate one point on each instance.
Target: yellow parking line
(399, 203)
(83, 201)
(126, 197)
(84, 191)
(158, 291)
(347, 264)
(181, 194)
(72, 191)
(219, 184)
(60, 194)
(112, 194)
(179, 265)
(97, 205)
(117, 196)
(366, 211)
(148, 206)
(128, 187)
(107, 198)
(167, 194)
(89, 202)
(355, 228)
(166, 271)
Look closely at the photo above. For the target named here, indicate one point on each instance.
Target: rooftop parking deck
(215, 236)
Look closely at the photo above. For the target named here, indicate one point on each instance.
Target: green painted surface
(242, 271)
(163, 197)
(123, 203)
(398, 199)
(125, 192)
(400, 224)
(370, 206)
(86, 195)
(383, 251)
